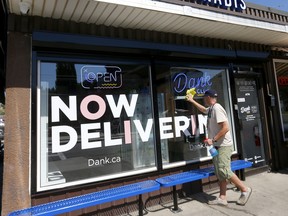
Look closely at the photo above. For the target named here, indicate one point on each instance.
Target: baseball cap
(211, 93)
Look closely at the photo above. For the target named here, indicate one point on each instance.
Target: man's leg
(245, 191)
(238, 183)
(223, 189)
(222, 169)
(220, 162)
(221, 200)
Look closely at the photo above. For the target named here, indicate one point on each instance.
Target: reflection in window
(184, 127)
(281, 68)
(95, 122)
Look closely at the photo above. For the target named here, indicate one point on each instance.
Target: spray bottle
(212, 150)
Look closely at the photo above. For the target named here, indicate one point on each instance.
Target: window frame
(76, 57)
(278, 95)
(228, 107)
(36, 152)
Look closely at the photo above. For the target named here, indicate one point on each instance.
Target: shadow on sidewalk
(283, 171)
(209, 196)
(159, 203)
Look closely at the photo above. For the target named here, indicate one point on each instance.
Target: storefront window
(96, 118)
(95, 121)
(183, 126)
(281, 68)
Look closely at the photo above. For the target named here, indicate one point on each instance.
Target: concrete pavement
(269, 197)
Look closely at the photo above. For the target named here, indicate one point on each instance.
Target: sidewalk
(269, 197)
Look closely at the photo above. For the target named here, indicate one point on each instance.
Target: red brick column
(16, 174)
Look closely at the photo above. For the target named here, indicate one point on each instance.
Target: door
(249, 117)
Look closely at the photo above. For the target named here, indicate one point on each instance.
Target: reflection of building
(66, 75)
(147, 42)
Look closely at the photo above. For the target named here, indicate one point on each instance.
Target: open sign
(103, 77)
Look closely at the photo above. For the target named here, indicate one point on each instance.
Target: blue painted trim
(122, 43)
(74, 39)
(251, 54)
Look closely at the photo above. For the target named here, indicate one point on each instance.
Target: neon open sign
(101, 77)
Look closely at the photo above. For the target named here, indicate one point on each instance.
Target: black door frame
(236, 73)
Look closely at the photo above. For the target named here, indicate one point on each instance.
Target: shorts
(222, 163)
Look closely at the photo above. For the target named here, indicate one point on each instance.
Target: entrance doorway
(250, 133)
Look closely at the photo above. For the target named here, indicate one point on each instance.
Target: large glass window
(95, 118)
(182, 126)
(95, 121)
(281, 69)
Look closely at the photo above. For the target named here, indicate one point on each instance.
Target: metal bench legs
(175, 208)
(141, 206)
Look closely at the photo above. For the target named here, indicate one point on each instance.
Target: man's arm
(201, 108)
(224, 129)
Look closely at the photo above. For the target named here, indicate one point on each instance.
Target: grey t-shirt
(217, 114)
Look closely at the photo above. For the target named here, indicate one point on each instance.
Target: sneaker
(244, 197)
(218, 201)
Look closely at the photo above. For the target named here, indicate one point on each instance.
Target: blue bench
(92, 199)
(180, 178)
(235, 165)
(194, 175)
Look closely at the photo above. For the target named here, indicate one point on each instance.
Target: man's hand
(191, 91)
(190, 94)
(189, 98)
(208, 141)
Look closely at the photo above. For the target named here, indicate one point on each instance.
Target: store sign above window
(237, 5)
